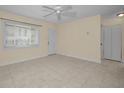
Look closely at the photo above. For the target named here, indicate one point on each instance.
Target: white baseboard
(90, 60)
(28, 59)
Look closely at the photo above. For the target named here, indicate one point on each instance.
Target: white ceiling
(36, 11)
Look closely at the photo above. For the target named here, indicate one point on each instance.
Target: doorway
(51, 41)
(112, 42)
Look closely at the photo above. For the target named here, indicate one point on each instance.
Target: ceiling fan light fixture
(58, 11)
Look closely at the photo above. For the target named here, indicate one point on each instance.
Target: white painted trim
(90, 60)
(28, 59)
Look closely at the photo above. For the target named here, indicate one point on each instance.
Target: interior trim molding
(99, 62)
(28, 59)
(13, 62)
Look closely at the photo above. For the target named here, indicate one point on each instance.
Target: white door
(107, 42)
(51, 41)
(112, 43)
(116, 43)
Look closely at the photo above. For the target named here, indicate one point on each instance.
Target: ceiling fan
(59, 11)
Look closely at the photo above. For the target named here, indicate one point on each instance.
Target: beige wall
(80, 39)
(116, 21)
(8, 56)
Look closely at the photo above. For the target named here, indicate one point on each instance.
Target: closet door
(107, 42)
(116, 43)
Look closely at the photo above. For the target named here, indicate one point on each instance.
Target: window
(17, 34)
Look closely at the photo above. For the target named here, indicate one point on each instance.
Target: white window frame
(21, 25)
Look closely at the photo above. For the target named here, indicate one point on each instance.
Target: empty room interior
(61, 46)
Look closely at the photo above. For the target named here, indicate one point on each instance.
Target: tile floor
(59, 71)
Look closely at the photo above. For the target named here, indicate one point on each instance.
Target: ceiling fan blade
(48, 8)
(66, 7)
(49, 14)
(69, 14)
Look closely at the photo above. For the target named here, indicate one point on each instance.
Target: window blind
(17, 34)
